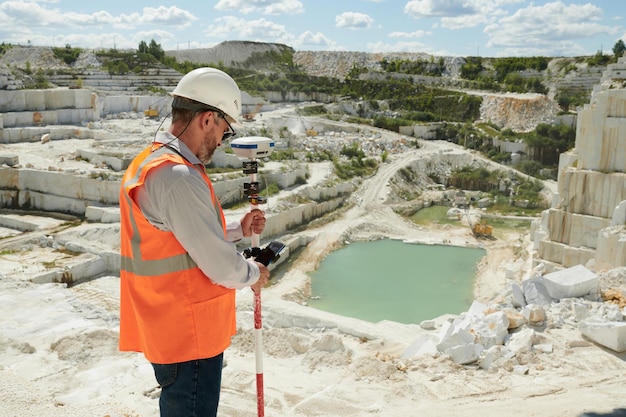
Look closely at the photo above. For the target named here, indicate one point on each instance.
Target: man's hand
(253, 222)
(265, 276)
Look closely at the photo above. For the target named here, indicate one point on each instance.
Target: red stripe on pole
(258, 324)
(259, 397)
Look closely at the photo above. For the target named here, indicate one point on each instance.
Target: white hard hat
(214, 88)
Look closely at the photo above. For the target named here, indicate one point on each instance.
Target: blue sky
(491, 28)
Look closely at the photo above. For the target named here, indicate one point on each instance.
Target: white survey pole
(252, 147)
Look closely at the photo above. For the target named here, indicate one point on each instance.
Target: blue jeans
(190, 389)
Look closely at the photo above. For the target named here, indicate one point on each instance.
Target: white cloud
(169, 16)
(316, 40)
(268, 7)
(438, 8)
(259, 30)
(397, 47)
(34, 15)
(458, 14)
(550, 29)
(469, 21)
(415, 34)
(160, 36)
(16, 13)
(353, 20)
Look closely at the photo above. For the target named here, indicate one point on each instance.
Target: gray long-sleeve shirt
(176, 198)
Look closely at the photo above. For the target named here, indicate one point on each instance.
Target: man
(179, 266)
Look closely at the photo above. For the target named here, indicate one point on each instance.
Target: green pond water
(391, 280)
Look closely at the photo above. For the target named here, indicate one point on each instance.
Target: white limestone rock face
(604, 120)
(591, 192)
(575, 230)
(592, 185)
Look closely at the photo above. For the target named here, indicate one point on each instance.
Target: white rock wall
(601, 133)
(587, 225)
(591, 192)
(575, 229)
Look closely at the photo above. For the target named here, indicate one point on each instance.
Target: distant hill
(564, 78)
(257, 56)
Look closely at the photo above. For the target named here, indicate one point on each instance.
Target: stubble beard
(207, 149)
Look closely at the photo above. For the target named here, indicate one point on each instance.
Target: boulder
(609, 334)
(573, 282)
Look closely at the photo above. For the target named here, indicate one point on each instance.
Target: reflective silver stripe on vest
(137, 265)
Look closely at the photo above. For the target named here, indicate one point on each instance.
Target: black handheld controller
(267, 255)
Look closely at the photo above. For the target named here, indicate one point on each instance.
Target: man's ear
(204, 119)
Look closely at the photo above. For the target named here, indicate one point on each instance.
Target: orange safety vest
(169, 309)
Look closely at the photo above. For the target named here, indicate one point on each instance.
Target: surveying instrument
(251, 148)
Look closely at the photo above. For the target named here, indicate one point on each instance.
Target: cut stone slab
(573, 282)
(10, 160)
(609, 334)
(465, 354)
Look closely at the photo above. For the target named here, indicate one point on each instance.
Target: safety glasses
(230, 132)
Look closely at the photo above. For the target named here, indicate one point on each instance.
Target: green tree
(618, 49)
(143, 47)
(156, 50)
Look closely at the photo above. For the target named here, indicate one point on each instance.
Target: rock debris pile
(499, 334)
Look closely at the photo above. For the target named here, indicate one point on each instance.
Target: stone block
(581, 312)
(584, 230)
(465, 354)
(94, 214)
(535, 291)
(522, 341)
(573, 282)
(112, 215)
(483, 203)
(494, 357)
(9, 159)
(611, 252)
(605, 121)
(592, 193)
(11, 101)
(451, 336)
(515, 319)
(551, 251)
(608, 334)
(534, 314)
(577, 256)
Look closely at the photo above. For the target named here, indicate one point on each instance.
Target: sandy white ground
(59, 357)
